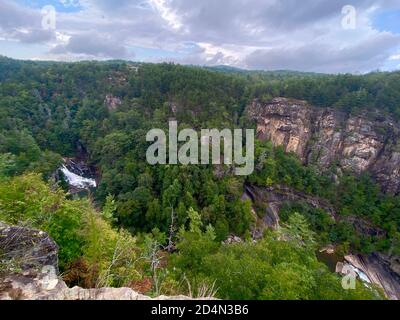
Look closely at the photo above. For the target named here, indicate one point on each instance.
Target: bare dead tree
(155, 261)
(171, 245)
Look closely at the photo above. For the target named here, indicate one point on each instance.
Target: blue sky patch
(59, 5)
(387, 21)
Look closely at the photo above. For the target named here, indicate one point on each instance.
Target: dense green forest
(53, 110)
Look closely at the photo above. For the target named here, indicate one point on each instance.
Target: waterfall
(76, 180)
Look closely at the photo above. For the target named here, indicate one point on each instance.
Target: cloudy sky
(305, 35)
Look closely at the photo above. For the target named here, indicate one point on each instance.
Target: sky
(356, 36)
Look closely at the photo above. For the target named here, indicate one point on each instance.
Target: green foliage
(75, 226)
(19, 152)
(7, 164)
(298, 231)
(350, 93)
(353, 198)
(320, 222)
(61, 107)
(109, 209)
(268, 269)
(28, 200)
(194, 245)
(110, 254)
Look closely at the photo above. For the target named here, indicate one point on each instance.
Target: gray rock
(112, 102)
(36, 277)
(379, 270)
(27, 248)
(39, 286)
(273, 198)
(326, 137)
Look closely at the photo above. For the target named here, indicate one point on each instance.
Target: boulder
(27, 249)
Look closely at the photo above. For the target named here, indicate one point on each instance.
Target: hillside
(170, 224)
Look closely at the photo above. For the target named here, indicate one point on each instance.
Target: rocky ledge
(31, 285)
(29, 261)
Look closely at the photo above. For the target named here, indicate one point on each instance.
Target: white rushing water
(361, 274)
(363, 277)
(78, 181)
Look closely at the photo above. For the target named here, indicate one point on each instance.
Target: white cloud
(167, 13)
(245, 33)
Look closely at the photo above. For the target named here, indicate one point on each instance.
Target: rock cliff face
(327, 137)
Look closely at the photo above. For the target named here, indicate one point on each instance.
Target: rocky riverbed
(380, 269)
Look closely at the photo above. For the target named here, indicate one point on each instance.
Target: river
(331, 260)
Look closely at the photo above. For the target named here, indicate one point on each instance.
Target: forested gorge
(168, 222)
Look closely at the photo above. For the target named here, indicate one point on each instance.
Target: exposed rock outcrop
(273, 198)
(31, 260)
(27, 249)
(284, 123)
(232, 239)
(327, 137)
(41, 286)
(112, 102)
(378, 269)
